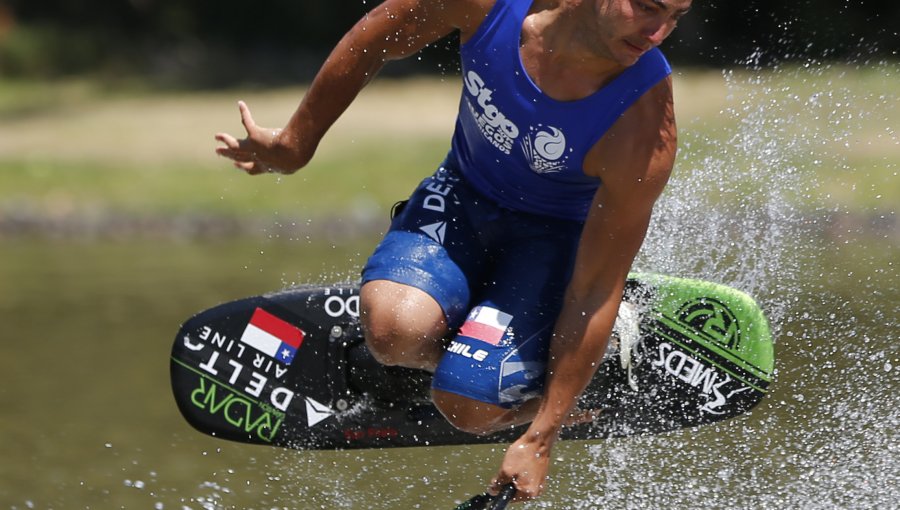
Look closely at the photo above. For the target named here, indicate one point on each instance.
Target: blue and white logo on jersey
(545, 149)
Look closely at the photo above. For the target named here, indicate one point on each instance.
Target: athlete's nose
(655, 33)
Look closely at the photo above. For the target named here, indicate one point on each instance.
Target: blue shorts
(499, 276)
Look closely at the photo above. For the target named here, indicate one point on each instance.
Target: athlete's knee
(401, 328)
(385, 341)
(380, 332)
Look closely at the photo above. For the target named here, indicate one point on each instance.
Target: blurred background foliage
(224, 43)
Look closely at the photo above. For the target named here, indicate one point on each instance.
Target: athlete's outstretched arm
(393, 30)
(634, 159)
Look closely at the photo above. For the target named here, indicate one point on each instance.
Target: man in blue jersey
(504, 272)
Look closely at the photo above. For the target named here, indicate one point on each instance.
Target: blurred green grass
(358, 179)
(78, 146)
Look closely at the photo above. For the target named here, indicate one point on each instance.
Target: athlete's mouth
(636, 48)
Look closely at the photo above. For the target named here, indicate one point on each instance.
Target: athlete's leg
(481, 418)
(492, 374)
(416, 283)
(403, 325)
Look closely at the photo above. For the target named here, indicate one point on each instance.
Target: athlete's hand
(525, 465)
(264, 149)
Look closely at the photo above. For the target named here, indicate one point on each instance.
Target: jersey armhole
(486, 24)
(662, 71)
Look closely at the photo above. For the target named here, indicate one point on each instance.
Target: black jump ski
(278, 369)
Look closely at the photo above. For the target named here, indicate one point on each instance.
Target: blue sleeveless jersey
(520, 147)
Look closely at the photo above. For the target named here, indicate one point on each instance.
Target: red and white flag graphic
(273, 336)
(486, 324)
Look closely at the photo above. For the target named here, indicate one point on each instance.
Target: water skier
(520, 243)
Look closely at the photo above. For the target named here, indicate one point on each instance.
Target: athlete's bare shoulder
(640, 147)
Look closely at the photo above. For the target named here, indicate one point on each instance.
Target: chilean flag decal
(273, 336)
(486, 324)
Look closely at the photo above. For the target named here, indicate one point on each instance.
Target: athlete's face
(629, 28)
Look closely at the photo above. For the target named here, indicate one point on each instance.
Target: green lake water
(88, 421)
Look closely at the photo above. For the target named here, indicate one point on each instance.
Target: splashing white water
(731, 212)
(754, 207)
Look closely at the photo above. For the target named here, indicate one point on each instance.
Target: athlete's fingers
(259, 168)
(246, 118)
(231, 147)
(581, 416)
(527, 489)
(251, 167)
(229, 141)
(235, 155)
(234, 149)
(498, 482)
